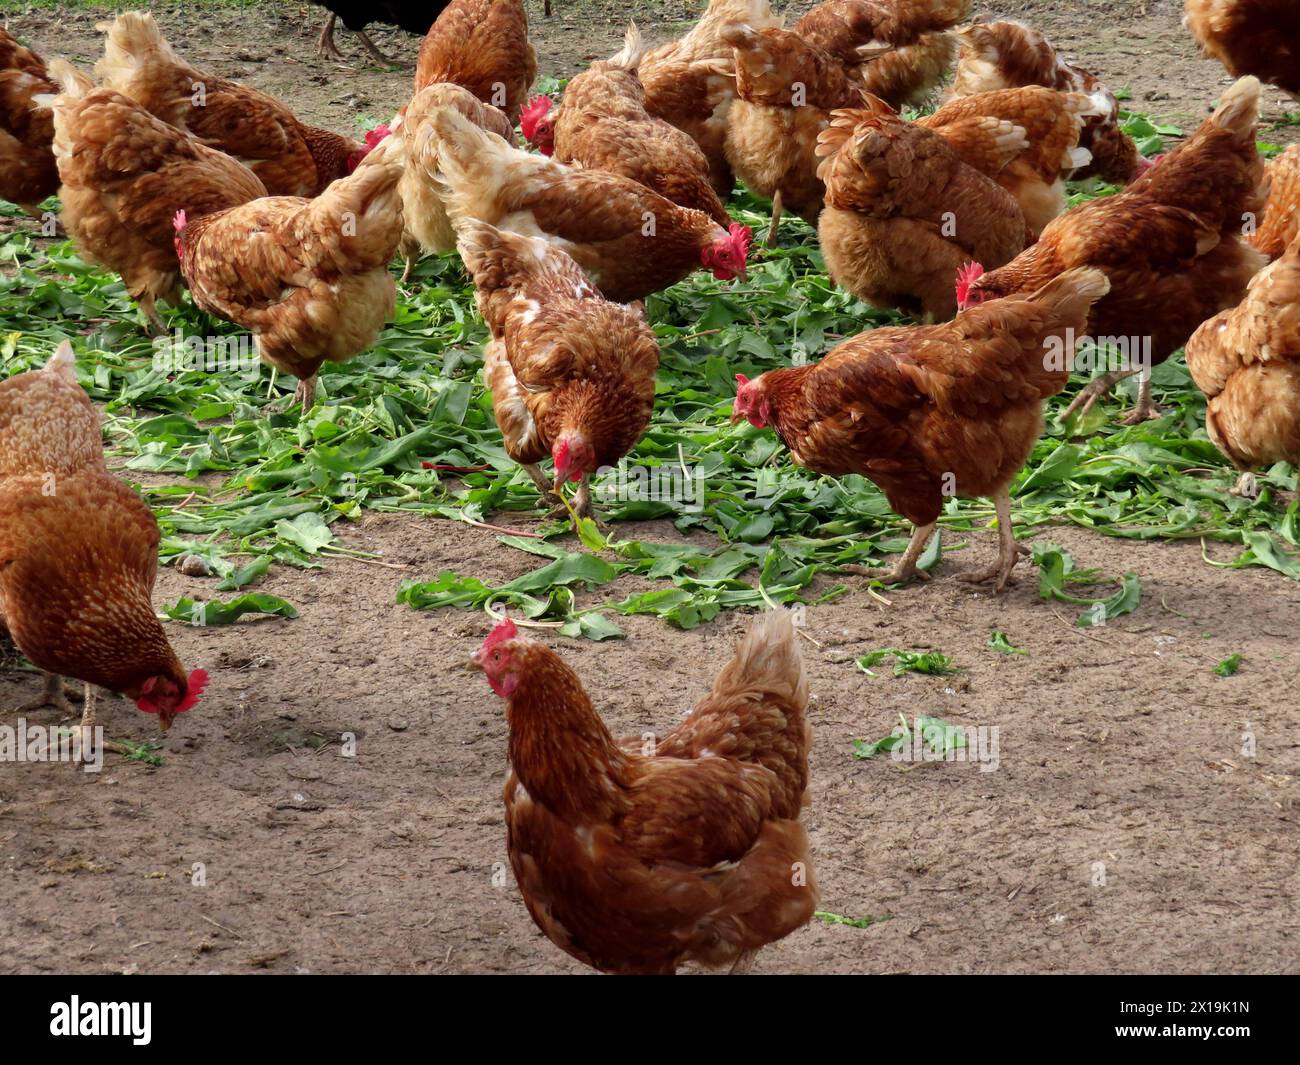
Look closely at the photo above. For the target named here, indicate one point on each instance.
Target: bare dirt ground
(1117, 745)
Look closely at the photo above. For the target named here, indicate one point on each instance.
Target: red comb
(197, 682)
(179, 221)
(741, 379)
(741, 236)
(967, 276)
(504, 631)
(534, 110)
(374, 136)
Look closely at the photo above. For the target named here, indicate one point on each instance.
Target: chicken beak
(165, 720)
(736, 416)
(473, 664)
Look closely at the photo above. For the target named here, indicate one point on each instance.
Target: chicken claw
(55, 693)
(906, 568)
(1009, 551)
(1099, 386)
(1246, 487)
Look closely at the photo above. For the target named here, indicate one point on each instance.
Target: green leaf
(999, 642)
(219, 612)
(1228, 667)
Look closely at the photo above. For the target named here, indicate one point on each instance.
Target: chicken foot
(1146, 409)
(906, 568)
(326, 46)
(155, 326)
(1099, 386)
(1009, 551)
(54, 693)
(539, 479)
(1246, 487)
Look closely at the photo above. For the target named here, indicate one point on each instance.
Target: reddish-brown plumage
(481, 45)
(691, 83)
(125, 174)
(1008, 55)
(563, 361)
(629, 239)
(1259, 37)
(911, 407)
(289, 157)
(1247, 362)
(1281, 216)
(78, 549)
(28, 173)
(1171, 243)
(904, 211)
(308, 278)
(640, 857)
(602, 124)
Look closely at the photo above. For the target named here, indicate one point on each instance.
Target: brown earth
(1118, 745)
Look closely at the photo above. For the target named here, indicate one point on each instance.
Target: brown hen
(642, 857)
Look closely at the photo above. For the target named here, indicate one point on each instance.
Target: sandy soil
(1117, 745)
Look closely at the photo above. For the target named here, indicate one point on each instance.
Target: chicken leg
(1009, 551)
(54, 693)
(1099, 386)
(1146, 409)
(375, 53)
(776, 219)
(155, 326)
(906, 568)
(305, 394)
(539, 479)
(326, 46)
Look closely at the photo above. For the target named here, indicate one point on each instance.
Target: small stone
(397, 724)
(194, 566)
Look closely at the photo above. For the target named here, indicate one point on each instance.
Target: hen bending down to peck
(79, 554)
(1247, 362)
(630, 240)
(927, 412)
(290, 157)
(125, 174)
(571, 374)
(636, 860)
(308, 278)
(1171, 243)
(428, 228)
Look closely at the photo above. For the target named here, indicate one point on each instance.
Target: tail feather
(63, 363)
(133, 41)
(634, 48)
(1072, 293)
(1238, 110)
(72, 81)
(767, 662)
(468, 164)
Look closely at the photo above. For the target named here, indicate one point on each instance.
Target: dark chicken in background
(414, 17)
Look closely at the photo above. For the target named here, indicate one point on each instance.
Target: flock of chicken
(638, 859)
